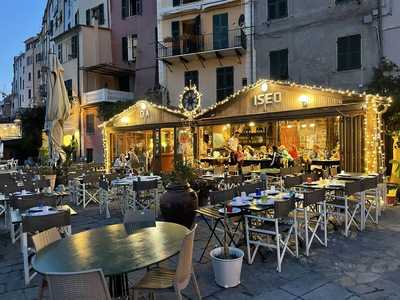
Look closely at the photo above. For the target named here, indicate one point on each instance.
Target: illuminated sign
(144, 114)
(267, 98)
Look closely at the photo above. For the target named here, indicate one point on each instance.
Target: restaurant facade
(342, 125)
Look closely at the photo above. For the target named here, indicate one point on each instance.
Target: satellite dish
(241, 21)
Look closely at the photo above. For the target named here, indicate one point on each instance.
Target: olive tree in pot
(227, 261)
(179, 201)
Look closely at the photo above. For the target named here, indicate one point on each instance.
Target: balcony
(106, 95)
(175, 8)
(187, 47)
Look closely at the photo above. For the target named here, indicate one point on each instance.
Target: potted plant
(227, 261)
(179, 201)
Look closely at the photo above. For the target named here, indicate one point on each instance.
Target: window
(220, 31)
(60, 53)
(277, 9)
(129, 47)
(88, 20)
(51, 28)
(224, 82)
(90, 123)
(38, 57)
(192, 78)
(39, 74)
(77, 18)
(29, 94)
(29, 60)
(131, 8)
(68, 87)
(180, 2)
(278, 61)
(74, 46)
(342, 1)
(29, 76)
(89, 155)
(97, 13)
(349, 52)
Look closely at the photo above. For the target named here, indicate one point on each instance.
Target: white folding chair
(311, 216)
(36, 224)
(371, 200)
(347, 206)
(88, 190)
(281, 227)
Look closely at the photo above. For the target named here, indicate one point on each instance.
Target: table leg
(212, 229)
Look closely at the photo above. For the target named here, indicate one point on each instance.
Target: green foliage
(386, 82)
(70, 150)
(107, 109)
(32, 122)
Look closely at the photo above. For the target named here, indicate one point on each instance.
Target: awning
(108, 69)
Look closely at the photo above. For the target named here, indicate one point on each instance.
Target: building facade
(207, 44)
(332, 43)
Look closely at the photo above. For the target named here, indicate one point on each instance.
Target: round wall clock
(190, 100)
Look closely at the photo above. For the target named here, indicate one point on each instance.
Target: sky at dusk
(19, 19)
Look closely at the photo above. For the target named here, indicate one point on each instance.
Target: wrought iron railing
(187, 44)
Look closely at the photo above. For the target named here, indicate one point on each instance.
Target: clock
(190, 100)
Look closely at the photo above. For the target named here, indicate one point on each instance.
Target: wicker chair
(40, 241)
(161, 278)
(83, 285)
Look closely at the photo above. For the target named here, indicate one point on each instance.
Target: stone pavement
(364, 266)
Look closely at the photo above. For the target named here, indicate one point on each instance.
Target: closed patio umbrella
(57, 109)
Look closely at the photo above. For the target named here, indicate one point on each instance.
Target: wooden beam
(219, 57)
(202, 60)
(239, 55)
(184, 61)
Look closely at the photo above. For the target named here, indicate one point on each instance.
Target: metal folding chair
(260, 230)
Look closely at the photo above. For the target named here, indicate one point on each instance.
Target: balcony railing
(188, 44)
(106, 95)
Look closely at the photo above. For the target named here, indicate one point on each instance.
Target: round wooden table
(111, 249)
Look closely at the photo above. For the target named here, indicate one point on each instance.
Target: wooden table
(110, 248)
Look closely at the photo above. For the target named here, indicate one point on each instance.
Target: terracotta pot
(178, 204)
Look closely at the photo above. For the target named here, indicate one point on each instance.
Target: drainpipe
(79, 94)
(252, 26)
(380, 30)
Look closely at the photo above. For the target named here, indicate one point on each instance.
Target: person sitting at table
(293, 152)
(239, 155)
(275, 158)
(286, 157)
(316, 152)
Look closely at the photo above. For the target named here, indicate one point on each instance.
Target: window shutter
(125, 48)
(88, 17)
(176, 2)
(130, 47)
(124, 6)
(101, 14)
(139, 7)
(134, 47)
(74, 47)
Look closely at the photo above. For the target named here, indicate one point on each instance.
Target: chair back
(140, 186)
(252, 187)
(42, 183)
(83, 285)
(233, 180)
(185, 268)
(26, 202)
(282, 209)
(292, 181)
(45, 238)
(369, 183)
(333, 171)
(352, 188)
(233, 170)
(135, 220)
(218, 197)
(313, 197)
(31, 224)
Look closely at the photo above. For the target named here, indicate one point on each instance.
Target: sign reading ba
(267, 98)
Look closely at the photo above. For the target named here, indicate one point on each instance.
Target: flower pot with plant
(179, 201)
(227, 261)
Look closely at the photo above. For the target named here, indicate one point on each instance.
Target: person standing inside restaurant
(275, 158)
(233, 142)
(239, 157)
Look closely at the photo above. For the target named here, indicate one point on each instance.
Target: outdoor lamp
(304, 100)
(125, 120)
(143, 106)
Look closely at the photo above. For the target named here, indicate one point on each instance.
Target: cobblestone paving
(364, 266)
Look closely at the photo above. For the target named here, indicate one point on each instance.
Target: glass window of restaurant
(297, 139)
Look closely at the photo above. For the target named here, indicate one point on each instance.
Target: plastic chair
(83, 285)
(162, 278)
